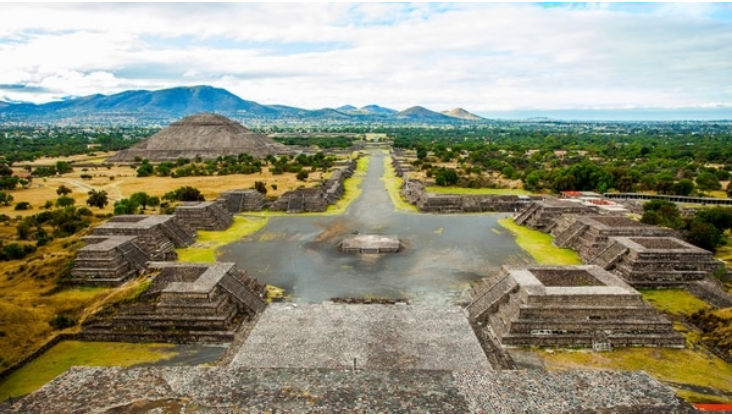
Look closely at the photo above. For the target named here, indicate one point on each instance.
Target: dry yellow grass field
(30, 298)
(29, 295)
(125, 182)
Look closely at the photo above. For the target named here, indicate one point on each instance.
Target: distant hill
(161, 107)
(462, 114)
(418, 113)
(346, 108)
(375, 109)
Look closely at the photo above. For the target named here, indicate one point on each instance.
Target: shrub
(62, 321)
(16, 251)
(23, 206)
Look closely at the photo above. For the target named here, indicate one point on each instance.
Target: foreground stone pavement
(378, 337)
(238, 390)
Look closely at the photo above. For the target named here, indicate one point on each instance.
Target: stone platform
(239, 390)
(379, 337)
(370, 244)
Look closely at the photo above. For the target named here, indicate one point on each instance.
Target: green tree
(8, 182)
(662, 213)
(98, 199)
(23, 206)
(63, 190)
(729, 189)
(185, 194)
(63, 167)
(141, 199)
(125, 207)
(153, 202)
(65, 201)
(6, 198)
(704, 235)
(146, 169)
(684, 187)
(708, 181)
(302, 175)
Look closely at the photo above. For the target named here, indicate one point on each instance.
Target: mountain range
(167, 105)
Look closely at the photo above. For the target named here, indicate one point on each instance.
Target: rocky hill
(462, 114)
(422, 114)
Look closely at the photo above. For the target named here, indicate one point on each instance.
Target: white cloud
(482, 57)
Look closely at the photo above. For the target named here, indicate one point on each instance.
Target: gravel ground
(380, 337)
(238, 390)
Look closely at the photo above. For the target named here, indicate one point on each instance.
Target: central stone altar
(370, 244)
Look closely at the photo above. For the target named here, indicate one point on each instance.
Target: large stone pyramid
(205, 135)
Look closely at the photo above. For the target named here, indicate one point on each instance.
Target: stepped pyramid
(206, 135)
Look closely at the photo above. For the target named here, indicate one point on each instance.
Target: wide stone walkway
(379, 337)
(238, 390)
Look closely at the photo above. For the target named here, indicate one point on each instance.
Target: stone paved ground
(298, 359)
(238, 390)
(381, 337)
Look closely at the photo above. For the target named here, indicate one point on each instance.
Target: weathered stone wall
(656, 262)
(204, 215)
(414, 192)
(521, 310)
(589, 235)
(318, 199)
(236, 201)
(190, 300)
(108, 261)
(541, 215)
(156, 235)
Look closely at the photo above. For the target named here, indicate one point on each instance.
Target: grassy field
(539, 245)
(677, 367)
(467, 191)
(76, 353)
(207, 242)
(120, 182)
(724, 253)
(674, 301)
(393, 186)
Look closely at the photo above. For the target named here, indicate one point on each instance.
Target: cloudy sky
(483, 57)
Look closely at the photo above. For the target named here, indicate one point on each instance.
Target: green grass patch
(393, 185)
(724, 253)
(208, 242)
(539, 245)
(695, 366)
(352, 187)
(62, 356)
(674, 301)
(482, 191)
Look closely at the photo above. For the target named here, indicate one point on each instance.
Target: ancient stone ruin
(185, 303)
(568, 306)
(108, 261)
(645, 262)
(156, 235)
(414, 192)
(203, 135)
(315, 199)
(236, 201)
(540, 215)
(370, 244)
(119, 249)
(589, 235)
(209, 216)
